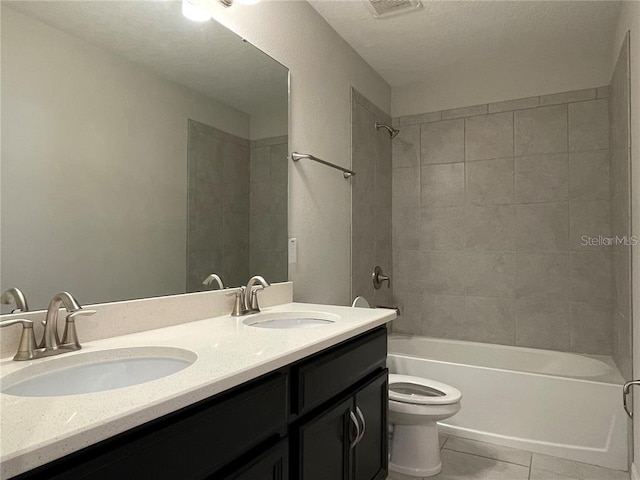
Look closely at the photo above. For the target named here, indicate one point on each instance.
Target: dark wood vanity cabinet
(330, 446)
(300, 423)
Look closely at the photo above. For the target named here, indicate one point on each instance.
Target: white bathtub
(555, 403)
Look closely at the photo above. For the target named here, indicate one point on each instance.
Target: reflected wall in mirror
(141, 151)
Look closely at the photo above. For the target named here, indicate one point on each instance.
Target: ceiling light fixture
(194, 12)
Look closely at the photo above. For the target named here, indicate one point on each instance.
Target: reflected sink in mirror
(285, 320)
(97, 371)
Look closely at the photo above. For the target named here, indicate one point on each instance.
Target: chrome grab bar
(625, 392)
(299, 156)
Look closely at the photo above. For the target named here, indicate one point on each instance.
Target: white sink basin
(291, 320)
(96, 371)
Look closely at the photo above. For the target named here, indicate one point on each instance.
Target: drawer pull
(354, 420)
(364, 424)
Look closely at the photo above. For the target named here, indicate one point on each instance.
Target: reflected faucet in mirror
(50, 344)
(16, 296)
(214, 278)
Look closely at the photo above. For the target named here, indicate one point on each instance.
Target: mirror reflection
(141, 152)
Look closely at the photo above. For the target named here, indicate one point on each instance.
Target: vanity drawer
(190, 444)
(328, 373)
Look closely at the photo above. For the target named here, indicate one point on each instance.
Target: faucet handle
(239, 306)
(253, 306)
(27, 339)
(70, 336)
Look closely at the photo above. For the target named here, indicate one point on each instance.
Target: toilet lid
(421, 391)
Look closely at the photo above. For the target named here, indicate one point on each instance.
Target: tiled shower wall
(490, 206)
(370, 199)
(218, 211)
(268, 209)
(620, 198)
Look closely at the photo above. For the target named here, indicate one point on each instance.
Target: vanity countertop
(37, 430)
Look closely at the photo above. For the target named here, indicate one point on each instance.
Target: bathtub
(554, 403)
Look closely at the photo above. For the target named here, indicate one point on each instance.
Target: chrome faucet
(51, 343)
(251, 293)
(214, 278)
(246, 300)
(15, 295)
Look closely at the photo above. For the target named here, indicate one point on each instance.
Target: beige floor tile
(488, 450)
(462, 466)
(593, 472)
(556, 465)
(545, 475)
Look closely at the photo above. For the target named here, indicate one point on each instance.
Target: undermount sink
(97, 371)
(291, 320)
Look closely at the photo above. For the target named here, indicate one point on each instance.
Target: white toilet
(415, 405)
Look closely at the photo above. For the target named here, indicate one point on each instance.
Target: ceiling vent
(390, 8)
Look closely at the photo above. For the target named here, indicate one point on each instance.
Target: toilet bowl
(415, 406)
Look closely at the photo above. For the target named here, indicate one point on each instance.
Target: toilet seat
(421, 391)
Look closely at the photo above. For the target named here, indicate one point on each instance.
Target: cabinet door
(371, 452)
(272, 465)
(324, 445)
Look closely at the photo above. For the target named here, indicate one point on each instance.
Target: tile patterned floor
(464, 459)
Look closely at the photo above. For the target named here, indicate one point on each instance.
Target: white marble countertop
(37, 430)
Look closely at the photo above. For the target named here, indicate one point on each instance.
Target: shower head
(392, 131)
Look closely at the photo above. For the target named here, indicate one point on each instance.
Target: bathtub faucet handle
(379, 278)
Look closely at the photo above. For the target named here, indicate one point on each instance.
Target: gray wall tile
(442, 185)
(542, 324)
(490, 182)
(511, 105)
(542, 275)
(542, 227)
(489, 227)
(464, 112)
(588, 219)
(490, 320)
(589, 175)
(443, 142)
(421, 118)
(541, 130)
(543, 178)
(489, 136)
(589, 125)
(443, 316)
(406, 147)
(591, 330)
(496, 233)
(407, 271)
(568, 97)
(406, 184)
(406, 228)
(590, 277)
(444, 272)
(442, 228)
(490, 274)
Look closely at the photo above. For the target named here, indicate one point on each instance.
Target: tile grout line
(487, 457)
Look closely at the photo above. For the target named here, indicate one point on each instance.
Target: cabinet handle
(354, 420)
(364, 424)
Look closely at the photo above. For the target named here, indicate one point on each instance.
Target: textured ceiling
(205, 57)
(467, 37)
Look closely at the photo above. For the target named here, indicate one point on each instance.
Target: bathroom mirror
(141, 151)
